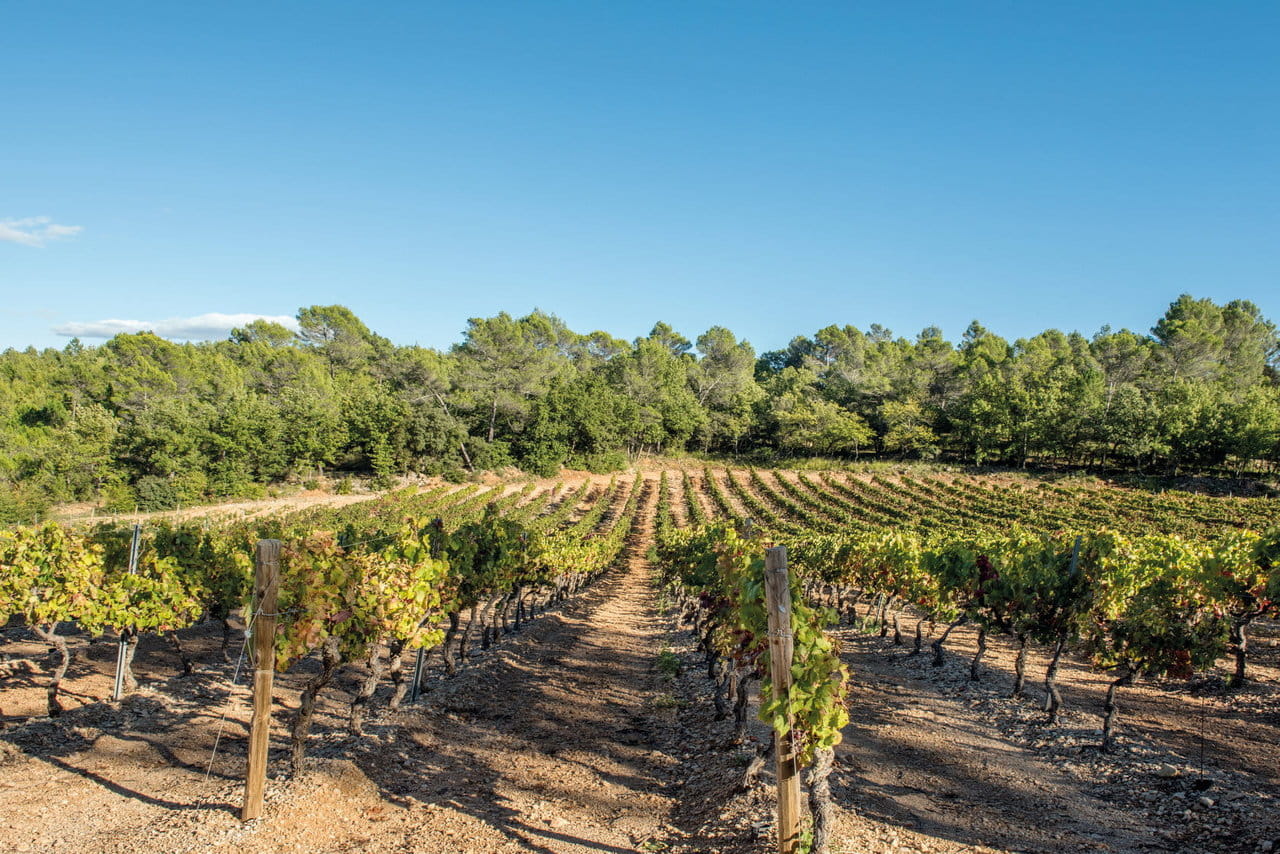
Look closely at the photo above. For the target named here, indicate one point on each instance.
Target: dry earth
(567, 737)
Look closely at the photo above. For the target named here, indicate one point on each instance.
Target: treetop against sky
(764, 167)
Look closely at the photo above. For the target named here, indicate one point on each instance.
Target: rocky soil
(578, 734)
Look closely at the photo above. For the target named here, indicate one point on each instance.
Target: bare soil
(567, 737)
(73, 514)
(940, 758)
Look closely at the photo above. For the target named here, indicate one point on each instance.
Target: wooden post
(416, 688)
(777, 587)
(126, 635)
(262, 622)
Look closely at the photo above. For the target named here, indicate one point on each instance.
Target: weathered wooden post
(262, 626)
(416, 688)
(778, 602)
(126, 635)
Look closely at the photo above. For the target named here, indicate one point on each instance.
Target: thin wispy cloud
(200, 327)
(35, 231)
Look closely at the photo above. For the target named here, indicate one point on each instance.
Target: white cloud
(35, 231)
(203, 326)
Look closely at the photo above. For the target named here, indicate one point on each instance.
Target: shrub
(21, 505)
(544, 459)
(604, 462)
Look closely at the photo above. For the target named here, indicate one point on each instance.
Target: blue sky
(769, 167)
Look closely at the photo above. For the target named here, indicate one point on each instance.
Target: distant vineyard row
(397, 573)
(1156, 585)
(1141, 582)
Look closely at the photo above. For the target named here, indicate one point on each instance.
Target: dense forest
(142, 421)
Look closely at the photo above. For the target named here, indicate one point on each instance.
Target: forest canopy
(143, 421)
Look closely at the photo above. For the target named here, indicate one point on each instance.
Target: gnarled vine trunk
(464, 645)
(188, 666)
(977, 656)
(721, 696)
(504, 614)
(743, 691)
(1020, 667)
(50, 636)
(369, 685)
(396, 651)
(519, 617)
(330, 659)
(1052, 697)
(820, 807)
(709, 649)
(1240, 647)
(446, 647)
(1112, 710)
(937, 644)
(130, 682)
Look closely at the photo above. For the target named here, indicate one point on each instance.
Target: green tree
(655, 379)
(806, 423)
(725, 385)
(504, 363)
(908, 432)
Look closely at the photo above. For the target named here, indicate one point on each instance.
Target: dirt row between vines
(940, 756)
(562, 738)
(567, 737)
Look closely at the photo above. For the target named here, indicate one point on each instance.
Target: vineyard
(586, 665)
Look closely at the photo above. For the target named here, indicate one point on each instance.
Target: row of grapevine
(1079, 572)
(355, 580)
(348, 604)
(833, 501)
(716, 576)
(50, 576)
(1156, 605)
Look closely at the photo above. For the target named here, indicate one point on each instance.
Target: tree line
(146, 422)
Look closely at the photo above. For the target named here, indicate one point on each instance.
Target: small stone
(1205, 802)
(1266, 846)
(1167, 772)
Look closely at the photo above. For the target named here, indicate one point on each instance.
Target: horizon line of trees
(143, 421)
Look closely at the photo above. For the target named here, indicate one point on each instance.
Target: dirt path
(703, 501)
(550, 743)
(721, 480)
(81, 513)
(933, 761)
(921, 758)
(566, 737)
